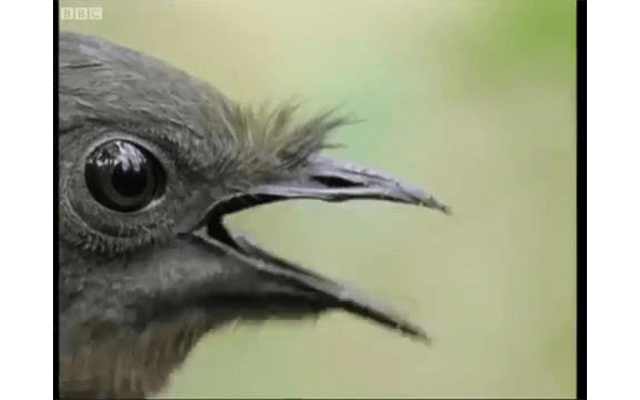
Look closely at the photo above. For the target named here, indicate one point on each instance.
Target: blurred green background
(474, 100)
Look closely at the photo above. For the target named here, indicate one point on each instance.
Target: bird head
(150, 161)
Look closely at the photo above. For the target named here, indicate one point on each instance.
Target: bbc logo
(80, 13)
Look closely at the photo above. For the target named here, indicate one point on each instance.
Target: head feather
(270, 139)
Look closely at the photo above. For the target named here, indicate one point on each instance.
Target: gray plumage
(139, 286)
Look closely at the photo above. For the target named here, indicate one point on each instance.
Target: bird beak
(321, 178)
(327, 179)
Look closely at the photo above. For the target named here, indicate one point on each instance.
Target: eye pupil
(128, 181)
(123, 176)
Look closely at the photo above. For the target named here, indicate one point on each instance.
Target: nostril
(335, 182)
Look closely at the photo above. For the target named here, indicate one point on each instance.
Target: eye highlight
(123, 176)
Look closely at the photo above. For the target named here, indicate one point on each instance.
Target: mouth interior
(215, 225)
(330, 294)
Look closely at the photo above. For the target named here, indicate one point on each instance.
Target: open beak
(322, 178)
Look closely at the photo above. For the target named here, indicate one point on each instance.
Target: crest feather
(268, 139)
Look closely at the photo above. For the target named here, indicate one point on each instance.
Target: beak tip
(432, 202)
(415, 332)
(420, 335)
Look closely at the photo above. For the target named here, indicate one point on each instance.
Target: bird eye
(123, 176)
